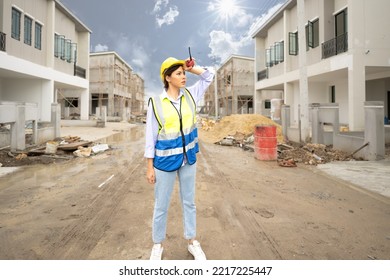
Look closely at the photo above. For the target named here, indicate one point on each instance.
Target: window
(341, 23)
(341, 31)
(27, 30)
(293, 43)
(15, 28)
(229, 80)
(312, 34)
(275, 54)
(56, 45)
(268, 62)
(65, 49)
(267, 104)
(279, 51)
(38, 36)
(332, 94)
(59, 46)
(73, 53)
(68, 49)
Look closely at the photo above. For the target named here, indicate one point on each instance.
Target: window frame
(279, 51)
(293, 46)
(38, 36)
(16, 18)
(312, 34)
(28, 22)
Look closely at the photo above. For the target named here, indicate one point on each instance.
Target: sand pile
(212, 132)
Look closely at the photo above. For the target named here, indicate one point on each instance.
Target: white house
(325, 51)
(44, 53)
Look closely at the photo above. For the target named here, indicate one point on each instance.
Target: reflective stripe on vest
(177, 135)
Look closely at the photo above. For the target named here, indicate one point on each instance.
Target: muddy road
(101, 208)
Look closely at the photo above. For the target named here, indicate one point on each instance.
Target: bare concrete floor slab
(370, 175)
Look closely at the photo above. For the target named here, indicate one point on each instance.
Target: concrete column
(356, 93)
(56, 119)
(316, 127)
(104, 114)
(49, 30)
(234, 103)
(35, 131)
(84, 108)
(18, 138)
(47, 98)
(103, 117)
(375, 130)
(285, 120)
(303, 117)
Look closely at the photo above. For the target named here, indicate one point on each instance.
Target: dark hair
(169, 72)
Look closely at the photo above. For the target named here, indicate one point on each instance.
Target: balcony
(262, 75)
(335, 46)
(2, 41)
(80, 72)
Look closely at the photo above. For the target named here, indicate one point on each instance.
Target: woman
(171, 147)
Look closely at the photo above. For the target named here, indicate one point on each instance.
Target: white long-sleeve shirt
(197, 91)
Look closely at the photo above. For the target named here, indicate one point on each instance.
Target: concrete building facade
(114, 85)
(325, 51)
(44, 54)
(235, 87)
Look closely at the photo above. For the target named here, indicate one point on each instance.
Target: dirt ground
(101, 208)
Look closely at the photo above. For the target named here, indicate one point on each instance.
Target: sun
(226, 8)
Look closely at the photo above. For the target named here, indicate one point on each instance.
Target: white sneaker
(157, 251)
(196, 251)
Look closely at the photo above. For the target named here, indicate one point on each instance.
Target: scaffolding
(114, 84)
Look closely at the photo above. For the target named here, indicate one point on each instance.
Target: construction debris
(240, 127)
(83, 152)
(238, 130)
(312, 154)
(64, 148)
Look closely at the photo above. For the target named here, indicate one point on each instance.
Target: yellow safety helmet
(168, 63)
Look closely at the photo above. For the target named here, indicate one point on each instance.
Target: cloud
(224, 44)
(169, 13)
(242, 18)
(159, 3)
(169, 17)
(100, 48)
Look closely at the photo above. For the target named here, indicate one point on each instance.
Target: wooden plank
(74, 145)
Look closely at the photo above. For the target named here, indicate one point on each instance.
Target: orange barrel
(265, 142)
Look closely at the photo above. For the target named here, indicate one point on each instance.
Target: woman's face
(178, 78)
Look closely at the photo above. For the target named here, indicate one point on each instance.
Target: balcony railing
(262, 75)
(2, 41)
(80, 72)
(335, 46)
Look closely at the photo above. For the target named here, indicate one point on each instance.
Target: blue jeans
(162, 193)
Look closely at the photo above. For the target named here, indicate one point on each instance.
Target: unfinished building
(235, 88)
(115, 86)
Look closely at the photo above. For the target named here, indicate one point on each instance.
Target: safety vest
(177, 136)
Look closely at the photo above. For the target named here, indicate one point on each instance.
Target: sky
(146, 32)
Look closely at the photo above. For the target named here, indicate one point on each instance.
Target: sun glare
(226, 8)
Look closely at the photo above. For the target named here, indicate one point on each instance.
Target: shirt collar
(165, 95)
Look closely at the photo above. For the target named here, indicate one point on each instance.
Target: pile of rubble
(240, 127)
(311, 154)
(59, 149)
(238, 130)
